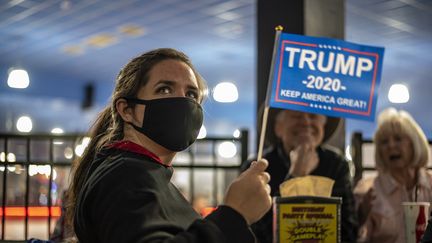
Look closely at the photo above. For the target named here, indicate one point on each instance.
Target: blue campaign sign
(326, 76)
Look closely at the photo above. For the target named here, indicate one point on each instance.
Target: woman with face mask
(401, 155)
(121, 189)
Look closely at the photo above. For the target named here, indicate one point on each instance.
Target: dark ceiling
(66, 45)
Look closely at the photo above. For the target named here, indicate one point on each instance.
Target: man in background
(296, 149)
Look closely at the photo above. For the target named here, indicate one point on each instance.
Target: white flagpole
(263, 131)
(278, 29)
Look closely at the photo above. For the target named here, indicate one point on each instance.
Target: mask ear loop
(135, 101)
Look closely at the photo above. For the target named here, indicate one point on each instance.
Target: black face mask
(173, 123)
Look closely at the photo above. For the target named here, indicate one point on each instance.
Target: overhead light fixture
(80, 148)
(227, 149)
(10, 157)
(68, 153)
(236, 133)
(398, 93)
(18, 79)
(202, 133)
(225, 92)
(57, 130)
(24, 124)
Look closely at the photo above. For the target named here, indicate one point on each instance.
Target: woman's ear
(124, 110)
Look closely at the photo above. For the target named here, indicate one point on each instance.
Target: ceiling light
(68, 153)
(79, 150)
(58, 142)
(85, 141)
(227, 149)
(10, 157)
(24, 124)
(225, 92)
(202, 133)
(236, 133)
(398, 93)
(57, 130)
(18, 79)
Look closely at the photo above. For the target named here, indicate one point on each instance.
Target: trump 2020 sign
(326, 76)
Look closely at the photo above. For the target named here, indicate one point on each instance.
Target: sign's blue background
(291, 78)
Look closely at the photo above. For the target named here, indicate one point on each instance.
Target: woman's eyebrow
(193, 87)
(173, 83)
(166, 82)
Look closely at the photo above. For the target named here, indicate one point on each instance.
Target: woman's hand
(249, 194)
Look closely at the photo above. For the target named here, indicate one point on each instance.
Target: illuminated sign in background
(326, 76)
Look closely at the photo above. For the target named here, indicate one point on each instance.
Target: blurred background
(72, 51)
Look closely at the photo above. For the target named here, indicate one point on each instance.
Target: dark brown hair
(108, 126)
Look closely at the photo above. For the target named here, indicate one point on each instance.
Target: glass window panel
(39, 185)
(203, 180)
(63, 151)
(2, 143)
(368, 153)
(183, 158)
(181, 179)
(38, 227)
(19, 148)
(60, 184)
(39, 150)
(14, 228)
(224, 179)
(16, 185)
(15, 194)
(2, 169)
(203, 152)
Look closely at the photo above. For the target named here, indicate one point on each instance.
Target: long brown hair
(108, 126)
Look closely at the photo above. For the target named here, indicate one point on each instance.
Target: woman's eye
(192, 94)
(163, 90)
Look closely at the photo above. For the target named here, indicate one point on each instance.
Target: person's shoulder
(331, 153)
(123, 163)
(125, 169)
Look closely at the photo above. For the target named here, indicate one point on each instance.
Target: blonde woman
(401, 154)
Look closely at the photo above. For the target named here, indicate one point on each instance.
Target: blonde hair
(393, 121)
